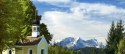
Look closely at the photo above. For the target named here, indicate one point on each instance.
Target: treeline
(59, 50)
(90, 50)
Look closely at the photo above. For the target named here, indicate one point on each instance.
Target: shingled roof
(29, 41)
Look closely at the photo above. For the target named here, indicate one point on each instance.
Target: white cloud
(97, 9)
(85, 20)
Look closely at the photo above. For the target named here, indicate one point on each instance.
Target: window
(30, 51)
(10, 52)
(38, 29)
(34, 29)
(42, 51)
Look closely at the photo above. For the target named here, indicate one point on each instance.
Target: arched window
(42, 51)
(30, 51)
(10, 52)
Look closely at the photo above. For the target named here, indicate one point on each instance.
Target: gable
(43, 42)
(43, 45)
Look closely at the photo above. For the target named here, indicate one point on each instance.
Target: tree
(31, 14)
(121, 47)
(15, 21)
(119, 33)
(114, 36)
(8, 17)
(45, 32)
(110, 40)
(15, 18)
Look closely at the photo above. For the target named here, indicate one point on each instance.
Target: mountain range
(77, 43)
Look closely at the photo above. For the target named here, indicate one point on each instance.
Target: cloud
(85, 20)
(98, 10)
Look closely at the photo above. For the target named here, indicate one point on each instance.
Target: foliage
(110, 40)
(30, 14)
(15, 20)
(89, 50)
(59, 50)
(45, 32)
(121, 47)
(114, 36)
(9, 19)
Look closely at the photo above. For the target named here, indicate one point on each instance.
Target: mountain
(77, 43)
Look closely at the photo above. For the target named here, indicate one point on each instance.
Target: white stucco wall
(42, 45)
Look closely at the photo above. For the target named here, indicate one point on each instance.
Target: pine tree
(110, 40)
(44, 31)
(121, 45)
(114, 36)
(119, 33)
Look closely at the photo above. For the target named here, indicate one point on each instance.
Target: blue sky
(86, 19)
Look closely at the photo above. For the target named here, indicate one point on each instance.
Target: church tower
(35, 28)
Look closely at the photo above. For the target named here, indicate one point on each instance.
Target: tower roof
(35, 22)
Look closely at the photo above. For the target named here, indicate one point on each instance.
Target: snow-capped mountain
(76, 43)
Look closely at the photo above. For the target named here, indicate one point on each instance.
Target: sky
(87, 19)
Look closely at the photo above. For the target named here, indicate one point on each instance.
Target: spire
(35, 26)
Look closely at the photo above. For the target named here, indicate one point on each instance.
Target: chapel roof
(29, 41)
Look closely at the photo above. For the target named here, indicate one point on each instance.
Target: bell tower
(35, 27)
